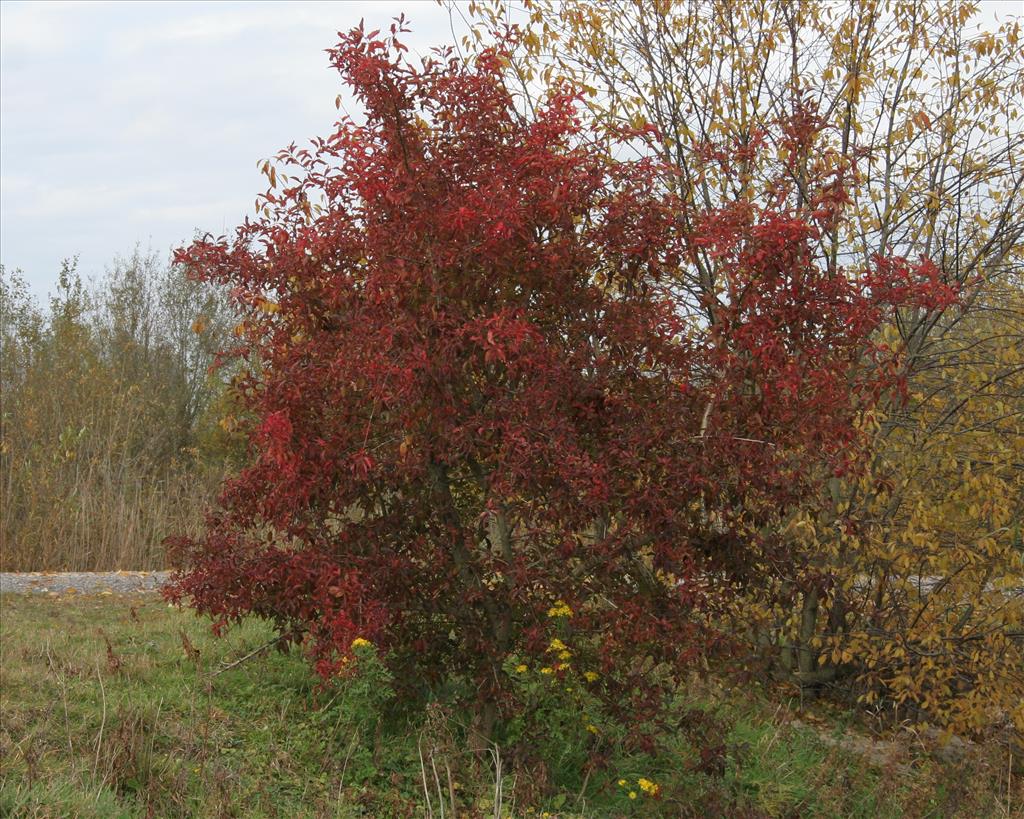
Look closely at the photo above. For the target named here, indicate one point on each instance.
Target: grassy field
(112, 707)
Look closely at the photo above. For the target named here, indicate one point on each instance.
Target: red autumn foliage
(482, 388)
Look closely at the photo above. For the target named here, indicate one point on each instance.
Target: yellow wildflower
(632, 794)
(557, 645)
(647, 786)
(560, 609)
(564, 655)
(562, 666)
(521, 668)
(622, 783)
(592, 728)
(546, 670)
(591, 676)
(359, 642)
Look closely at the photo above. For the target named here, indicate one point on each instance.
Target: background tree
(109, 437)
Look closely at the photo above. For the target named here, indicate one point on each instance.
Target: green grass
(145, 728)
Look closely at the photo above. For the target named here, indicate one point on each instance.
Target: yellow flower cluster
(645, 785)
(521, 668)
(591, 676)
(562, 649)
(359, 642)
(560, 609)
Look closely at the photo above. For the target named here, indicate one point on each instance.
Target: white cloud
(34, 28)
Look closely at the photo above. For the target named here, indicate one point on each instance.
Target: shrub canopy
(484, 407)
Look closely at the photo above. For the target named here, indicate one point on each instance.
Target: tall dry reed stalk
(97, 521)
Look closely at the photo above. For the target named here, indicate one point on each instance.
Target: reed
(109, 435)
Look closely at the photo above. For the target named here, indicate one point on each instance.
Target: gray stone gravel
(60, 583)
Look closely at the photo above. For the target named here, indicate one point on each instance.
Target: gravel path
(81, 582)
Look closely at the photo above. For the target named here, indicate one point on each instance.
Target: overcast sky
(141, 122)
(125, 123)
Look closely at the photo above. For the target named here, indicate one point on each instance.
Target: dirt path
(81, 582)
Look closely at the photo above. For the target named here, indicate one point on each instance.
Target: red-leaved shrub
(486, 399)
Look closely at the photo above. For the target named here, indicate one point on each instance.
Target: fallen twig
(248, 656)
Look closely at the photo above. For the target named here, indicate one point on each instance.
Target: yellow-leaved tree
(904, 584)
